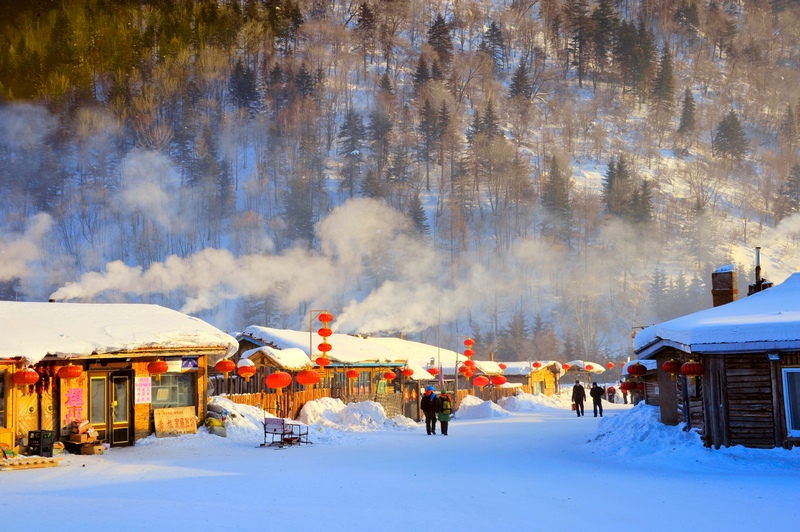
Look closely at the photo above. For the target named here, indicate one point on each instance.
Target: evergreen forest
(546, 176)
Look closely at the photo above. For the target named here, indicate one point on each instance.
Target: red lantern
(352, 374)
(610, 365)
(693, 369)
(246, 371)
(307, 377)
(225, 366)
(589, 367)
(325, 332)
(278, 380)
(497, 380)
(325, 317)
(565, 367)
(463, 369)
(469, 363)
(70, 372)
(640, 386)
(407, 372)
(325, 347)
(390, 375)
(434, 371)
(480, 381)
(26, 377)
(671, 366)
(323, 361)
(469, 352)
(469, 374)
(537, 365)
(627, 385)
(502, 366)
(469, 342)
(637, 369)
(157, 368)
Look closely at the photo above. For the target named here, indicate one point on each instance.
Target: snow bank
(473, 408)
(354, 417)
(527, 402)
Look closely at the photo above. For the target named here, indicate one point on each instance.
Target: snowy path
(532, 471)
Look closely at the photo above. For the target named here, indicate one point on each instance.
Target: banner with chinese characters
(73, 400)
(175, 421)
(143, 390)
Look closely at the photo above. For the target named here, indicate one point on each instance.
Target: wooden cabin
(109, 348)
(748, 392)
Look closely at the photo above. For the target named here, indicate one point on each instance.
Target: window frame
(789, 406)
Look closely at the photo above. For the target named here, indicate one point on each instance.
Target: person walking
(578, 397)
(445, 410)
(624, 394)
(597, 398)
(429, 404)
(611, 393)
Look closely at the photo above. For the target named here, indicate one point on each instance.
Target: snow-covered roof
(292, 358)
(488, 367)
(581, 365)
(34, 330)
(651, 365)
(517, 369)
(347, 349)
(767, 320)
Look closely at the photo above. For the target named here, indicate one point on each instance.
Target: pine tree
(416, 211)
(556, 201)
(788, 132)
(379, 132)
(490, 125)
(351, 138)
(580, 38)
(604, 23)
(386, 83)
(422, 74)
(427, 138)
(729, 138)
(492, 45)
(520, 86)
(299, 211)
(371, 187)
(366, 25)
(242, 84)
(440, 40)
(789, 193)
(617, 191)
(687, 123)
(642, 203)
(663, 93)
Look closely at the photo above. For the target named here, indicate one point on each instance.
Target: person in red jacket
(611, 393)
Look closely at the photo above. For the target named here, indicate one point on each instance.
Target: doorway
(111, 407)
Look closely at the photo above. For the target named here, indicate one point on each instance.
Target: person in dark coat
(578, 397)
(429, 404)
(445, 410)
(597, 398)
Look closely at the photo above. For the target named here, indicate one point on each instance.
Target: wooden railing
(286, 404)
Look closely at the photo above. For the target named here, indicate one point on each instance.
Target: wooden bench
(283, 433)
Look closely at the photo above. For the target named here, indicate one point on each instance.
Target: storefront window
(174, 389)
(2, 399)
(791, 390)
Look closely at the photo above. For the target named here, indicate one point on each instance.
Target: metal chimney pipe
(758, 267)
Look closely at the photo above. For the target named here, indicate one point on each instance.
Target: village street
(527, 470)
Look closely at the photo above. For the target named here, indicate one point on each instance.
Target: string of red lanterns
(26, 377)
(307, 377)
(325, 332)
(70, 371)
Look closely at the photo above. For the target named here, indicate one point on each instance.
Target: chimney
(761, 283)
(723, 285)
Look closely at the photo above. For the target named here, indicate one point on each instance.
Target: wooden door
(111, 407)
(27, 414)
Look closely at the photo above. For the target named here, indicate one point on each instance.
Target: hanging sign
(143, 390)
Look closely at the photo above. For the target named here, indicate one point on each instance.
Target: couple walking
(434, 406)
(579, 396)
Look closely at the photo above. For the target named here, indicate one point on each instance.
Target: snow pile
(473, 408)
(527, 402)
(354, 417)
(243, 422)
(639, 432)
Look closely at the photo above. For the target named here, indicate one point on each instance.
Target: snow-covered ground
(526, 464)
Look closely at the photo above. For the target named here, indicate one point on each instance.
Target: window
(174, 389)
(2, 399)
(791, 396)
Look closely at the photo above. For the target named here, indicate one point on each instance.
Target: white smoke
(25, 126)
(146, 188)
(18, 251)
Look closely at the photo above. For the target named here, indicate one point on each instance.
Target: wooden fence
(288, 404)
